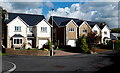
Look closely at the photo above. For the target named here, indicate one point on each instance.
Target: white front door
(42, 42)
(72, 43)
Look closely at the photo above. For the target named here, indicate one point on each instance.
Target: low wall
(11, 51)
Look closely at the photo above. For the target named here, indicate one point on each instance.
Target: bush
(45, 49)
(117, 44)
(50, 45)
(84, 45)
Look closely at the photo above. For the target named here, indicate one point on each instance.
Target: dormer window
(18, 28)
(71, 29)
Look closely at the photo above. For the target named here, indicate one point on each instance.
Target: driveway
(63, 53)
(74, 63)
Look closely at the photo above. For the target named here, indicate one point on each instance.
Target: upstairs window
(43, 29)
(71, 29)
(17, 28)
(95, 31)
(30, 29)
(105, 32)
(84, 31)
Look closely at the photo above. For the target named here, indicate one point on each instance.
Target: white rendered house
(27, 29)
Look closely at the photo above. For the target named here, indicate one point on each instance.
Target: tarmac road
(77, 63)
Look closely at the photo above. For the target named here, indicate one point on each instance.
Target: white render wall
(11, 28)
(108, 32)
(40, 34)
(97, 29)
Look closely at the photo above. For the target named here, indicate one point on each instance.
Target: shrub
(84, 45)
(50, 45)
(46, 49)
(117, 44)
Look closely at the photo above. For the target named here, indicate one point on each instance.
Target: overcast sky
(93, 11)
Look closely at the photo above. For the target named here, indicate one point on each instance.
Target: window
(17, 28)
(95, 31)
(71, 29)
(105, 32)
(85, 31)
(30, 29)
(17, 41)
(43, 29)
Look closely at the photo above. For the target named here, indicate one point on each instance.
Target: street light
(52, 32)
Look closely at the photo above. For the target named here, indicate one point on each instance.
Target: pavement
(8, 67)
(80, 63)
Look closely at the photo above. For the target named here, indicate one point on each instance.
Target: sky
(91, 11)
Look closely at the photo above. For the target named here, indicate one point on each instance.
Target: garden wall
(11, 51)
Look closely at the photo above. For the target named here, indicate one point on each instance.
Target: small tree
(84, 45)
(117, 44)
(93, 39)
(50, 45)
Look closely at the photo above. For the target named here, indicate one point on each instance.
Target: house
(67, 30)
(116, 35)
(113, 37)
(27, 29)
(64, 30)
(95, 28)
(84, 28)
(105, 33)
(101, 29)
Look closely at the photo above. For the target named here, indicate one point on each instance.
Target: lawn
(3, 54)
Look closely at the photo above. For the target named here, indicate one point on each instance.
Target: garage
(72, 43)
(42, 42)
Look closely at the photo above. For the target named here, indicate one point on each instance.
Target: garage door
(72, 43)
(42, 42)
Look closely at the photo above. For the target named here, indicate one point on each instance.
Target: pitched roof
(116, 34)
(92, 24)
(30, 19)
(100, 24)
(17, 35)
(112, 37)
(62, 21)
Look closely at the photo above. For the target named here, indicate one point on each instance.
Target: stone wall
(11, 51)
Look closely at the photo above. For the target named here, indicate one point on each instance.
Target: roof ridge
(66, 17)
(26, 14)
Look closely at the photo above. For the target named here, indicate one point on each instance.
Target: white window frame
(95, 31)
(71, 29)
(84, 31)
(16, 41)
(43, 29)
(17, 28)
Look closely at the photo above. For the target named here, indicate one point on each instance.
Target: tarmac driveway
(76, 63)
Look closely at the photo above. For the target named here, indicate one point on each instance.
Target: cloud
(25, 7)
(93, 11)
(34, 11)
(49, 4)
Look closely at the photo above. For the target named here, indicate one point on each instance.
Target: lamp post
(52, 33)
